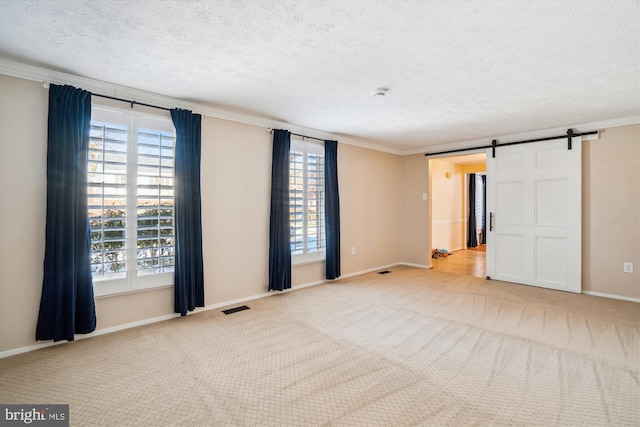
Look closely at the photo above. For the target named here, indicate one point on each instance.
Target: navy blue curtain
(67, 306)
(279, 230)
(472, 241)
(189, 276)
(484, 210)
(332, 209)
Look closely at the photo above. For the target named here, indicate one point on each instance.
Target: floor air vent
(384, 272)
(235, 309)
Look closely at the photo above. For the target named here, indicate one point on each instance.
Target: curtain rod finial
(45, 84)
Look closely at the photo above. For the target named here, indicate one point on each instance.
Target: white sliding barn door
(534, 214)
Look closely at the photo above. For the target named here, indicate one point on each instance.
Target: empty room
(320, 213)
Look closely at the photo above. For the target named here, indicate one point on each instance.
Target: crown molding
(582, 127)
(40, 74)
(34, 73)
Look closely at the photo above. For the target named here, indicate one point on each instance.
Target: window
(130, 198)
(306, 201)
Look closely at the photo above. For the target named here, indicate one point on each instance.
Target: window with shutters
(306, 201)
(130, 200)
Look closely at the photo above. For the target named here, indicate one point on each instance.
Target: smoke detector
(380, 92)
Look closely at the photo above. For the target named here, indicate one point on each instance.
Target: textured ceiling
(456, 70)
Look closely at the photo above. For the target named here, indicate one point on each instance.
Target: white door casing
(534, 214)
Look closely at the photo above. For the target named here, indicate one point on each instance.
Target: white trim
(542, 133)
(33, 347)
(303, 261)
(369, 270)
(104, 331)
(410, 264)
(618, 297)
(383, 267)
(258, 296)
(39, 346)
(29, 72)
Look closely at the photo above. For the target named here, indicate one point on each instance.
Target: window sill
(106, 287)
(304, 259)
(134, 291)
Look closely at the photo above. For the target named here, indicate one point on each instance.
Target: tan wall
(415, 214)
(236, 171)
(611, 212)
(370, 208)
(383, 214)
(447, 205)
(473, 168)
(23, 169)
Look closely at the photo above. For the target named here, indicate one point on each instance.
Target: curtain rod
(128, 101)
(300, 135)
(494, 144)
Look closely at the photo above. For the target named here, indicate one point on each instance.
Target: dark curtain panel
(472, 241)
(484, 210)
(279, 230)
(67, 306)
(332, 209)
(188, 276)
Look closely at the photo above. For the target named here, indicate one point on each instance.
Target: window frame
(130, 280)
(299, 145)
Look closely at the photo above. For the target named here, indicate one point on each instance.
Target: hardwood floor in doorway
(466, 262)
(481, 248)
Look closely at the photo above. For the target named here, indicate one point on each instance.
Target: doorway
(450, 214)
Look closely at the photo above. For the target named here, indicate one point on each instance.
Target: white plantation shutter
(130, 195)
(106, 189)
(155, 209)
(296, 201)
(306, 198)
(315, 202)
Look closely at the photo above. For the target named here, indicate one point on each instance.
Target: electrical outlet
(627, 267)
(353, 250)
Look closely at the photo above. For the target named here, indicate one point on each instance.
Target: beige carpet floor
(412, 347)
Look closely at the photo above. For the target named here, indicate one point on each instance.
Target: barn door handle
(490, 221)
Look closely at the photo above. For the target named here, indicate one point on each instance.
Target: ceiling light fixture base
(380, 92)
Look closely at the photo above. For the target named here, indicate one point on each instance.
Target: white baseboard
(369, 270)
(98, 332)
(383, 267)
(38, 346)
(410, 264)
(257, 296)
(603, 295)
